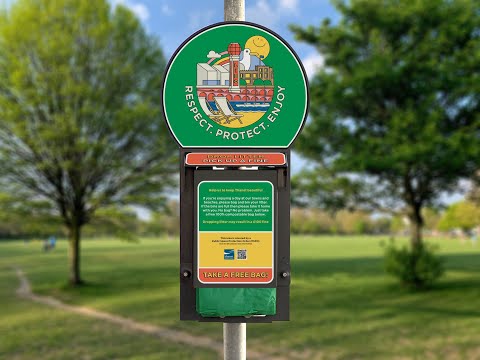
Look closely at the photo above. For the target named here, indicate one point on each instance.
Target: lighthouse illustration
(234, 51)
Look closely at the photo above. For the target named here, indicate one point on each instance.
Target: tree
(13, 213)
(122, 223)
(463, 215)
(431, 218)
(395, 112)
(311, 221)
(80, 123)
(166, 222)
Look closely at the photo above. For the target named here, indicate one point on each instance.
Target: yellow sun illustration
(258, 46)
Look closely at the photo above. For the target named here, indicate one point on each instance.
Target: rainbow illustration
(221, 61)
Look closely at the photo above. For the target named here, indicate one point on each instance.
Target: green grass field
(342, 304)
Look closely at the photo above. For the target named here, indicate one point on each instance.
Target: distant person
(46, 245)
(52, 242)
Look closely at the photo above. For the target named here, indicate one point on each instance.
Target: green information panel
(235, 85)
(235, 206)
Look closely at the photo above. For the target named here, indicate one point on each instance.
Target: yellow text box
(258, 246)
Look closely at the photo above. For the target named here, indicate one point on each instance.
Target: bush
(415, 268)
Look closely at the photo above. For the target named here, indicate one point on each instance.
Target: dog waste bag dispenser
(235, 98)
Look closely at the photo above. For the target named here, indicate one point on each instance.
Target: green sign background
(181, 72)
(241, 221)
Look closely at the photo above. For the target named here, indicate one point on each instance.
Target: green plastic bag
(220, 302)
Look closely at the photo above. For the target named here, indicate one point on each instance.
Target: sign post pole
(234, 341)
(234, 10)
(234, 334)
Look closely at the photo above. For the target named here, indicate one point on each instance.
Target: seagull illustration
(246, 59)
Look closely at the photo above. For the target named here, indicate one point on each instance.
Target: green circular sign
(235, 85)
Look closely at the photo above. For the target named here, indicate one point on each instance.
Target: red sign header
(235, 159)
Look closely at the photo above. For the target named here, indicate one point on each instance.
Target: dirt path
(25, 291)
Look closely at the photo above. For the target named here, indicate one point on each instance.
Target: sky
(172, 21)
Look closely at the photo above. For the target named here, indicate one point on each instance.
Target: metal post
(234, 341)
(234, 10)
(234, 334)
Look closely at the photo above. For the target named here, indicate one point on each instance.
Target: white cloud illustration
(213, 55)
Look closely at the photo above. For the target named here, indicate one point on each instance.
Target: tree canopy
(395, 112)
(80, 120)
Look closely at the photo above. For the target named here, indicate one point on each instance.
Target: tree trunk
(74, 255)
(416, 226)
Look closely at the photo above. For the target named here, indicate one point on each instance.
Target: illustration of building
(261, 72)
(265, 73)
(212, 75)
(223, 74)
